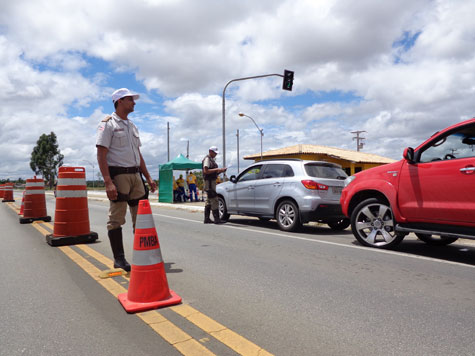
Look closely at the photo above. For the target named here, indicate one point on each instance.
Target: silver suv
(292, 191)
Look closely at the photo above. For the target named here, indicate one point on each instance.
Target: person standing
(210, 173)
(191, 180)
(121, 164)
(181, 188)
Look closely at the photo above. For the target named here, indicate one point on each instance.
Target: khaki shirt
(121, 138)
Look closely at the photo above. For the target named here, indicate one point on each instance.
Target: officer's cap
(122, 93)
(214, 149)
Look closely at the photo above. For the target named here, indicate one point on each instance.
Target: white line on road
(366, 249)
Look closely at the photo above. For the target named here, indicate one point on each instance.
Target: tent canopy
(165, 176)
(180, 163)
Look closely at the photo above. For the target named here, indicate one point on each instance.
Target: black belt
(114, 171)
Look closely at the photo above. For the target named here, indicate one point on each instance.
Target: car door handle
(277, 184)
(467, 170)
(250, 187)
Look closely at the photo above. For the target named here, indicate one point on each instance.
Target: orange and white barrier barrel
(71, 218)
(148, 286)
(8, 193)
(34, 206)
(1, 190)
(22, 206)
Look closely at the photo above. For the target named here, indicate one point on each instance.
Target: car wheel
(436, 240)
(223, 211)
(288, 217)
(339, 225)
(372, 224)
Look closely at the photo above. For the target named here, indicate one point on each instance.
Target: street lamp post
(261, 131)
(92, 164)
(237, 135)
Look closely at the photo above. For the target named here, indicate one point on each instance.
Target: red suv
(431, 192)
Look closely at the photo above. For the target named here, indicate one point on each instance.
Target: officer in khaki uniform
(210, 173)
(121, 163)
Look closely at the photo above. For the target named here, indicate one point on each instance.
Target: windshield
(319, 170)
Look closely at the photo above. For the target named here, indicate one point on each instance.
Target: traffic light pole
(224, 106)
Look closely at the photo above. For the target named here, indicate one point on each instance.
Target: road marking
(363, 248)
(228, 337)
(179, 339)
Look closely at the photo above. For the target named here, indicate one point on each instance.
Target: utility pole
(168, 141)
(359, 140)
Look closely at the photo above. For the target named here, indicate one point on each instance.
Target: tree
(46, 158)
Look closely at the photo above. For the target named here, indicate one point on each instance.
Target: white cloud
(187, 51)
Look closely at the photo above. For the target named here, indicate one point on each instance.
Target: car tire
(223, 211)
(443, 240)
(339, 225)
(372, 223)
(288, 216)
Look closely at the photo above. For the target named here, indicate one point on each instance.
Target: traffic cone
(2, 190)
(22, 205)
(148, 286)
(8, 193)
(35, 202)
(71, 218)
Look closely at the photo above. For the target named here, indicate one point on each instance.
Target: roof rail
(280, 159)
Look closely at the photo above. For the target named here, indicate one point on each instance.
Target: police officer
(121, 164)
(210, 173)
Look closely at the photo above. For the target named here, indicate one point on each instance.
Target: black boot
(207, 220)
(217, 220)
(115, 237)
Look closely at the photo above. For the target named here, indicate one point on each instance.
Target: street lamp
(260, 130)
(92, 164)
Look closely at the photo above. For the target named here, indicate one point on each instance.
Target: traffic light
(288, 80)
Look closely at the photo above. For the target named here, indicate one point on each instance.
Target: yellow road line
(183, 342)
(179, 339)
(228, 337)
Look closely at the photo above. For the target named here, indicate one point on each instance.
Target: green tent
(165, 176)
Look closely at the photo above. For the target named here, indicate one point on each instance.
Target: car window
(250, 174)
(319, 170)
(458, 144)
(277, 171)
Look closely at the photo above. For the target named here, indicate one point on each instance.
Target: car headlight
(349, 180)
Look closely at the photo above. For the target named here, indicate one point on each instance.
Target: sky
(397, 69)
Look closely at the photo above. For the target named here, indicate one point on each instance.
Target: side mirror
(409, 154)
(232, 179)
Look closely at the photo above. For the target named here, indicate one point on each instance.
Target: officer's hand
(111, 191)
(153, 185)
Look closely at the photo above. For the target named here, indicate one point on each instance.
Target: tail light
(311, 184)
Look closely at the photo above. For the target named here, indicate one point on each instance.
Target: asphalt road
(308, 293)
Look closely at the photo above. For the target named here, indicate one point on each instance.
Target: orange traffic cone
(22, 205)
(8, 193)
(35, 202)
(148, 287)
(71, 218)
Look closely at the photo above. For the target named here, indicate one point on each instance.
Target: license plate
(337, 190)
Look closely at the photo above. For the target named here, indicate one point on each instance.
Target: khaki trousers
(131, 185)
(211, 196)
